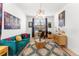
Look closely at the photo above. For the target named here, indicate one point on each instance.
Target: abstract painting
(62, 19)
(0, 19)
(10, 21)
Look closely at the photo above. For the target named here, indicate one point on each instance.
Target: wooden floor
(69, 52)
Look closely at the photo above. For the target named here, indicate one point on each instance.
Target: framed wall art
(62, 19)
(10, 21)
(30, 24)
(49, 24)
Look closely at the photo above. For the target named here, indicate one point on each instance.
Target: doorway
(39, 25)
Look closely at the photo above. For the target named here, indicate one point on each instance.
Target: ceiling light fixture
(40, 12)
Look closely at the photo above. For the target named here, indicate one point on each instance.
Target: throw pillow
(25, 35)
(8, 39)
(18, 38)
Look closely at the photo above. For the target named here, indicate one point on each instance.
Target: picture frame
(49, 24)
(11, 21)
(61, 18)
(30, 24)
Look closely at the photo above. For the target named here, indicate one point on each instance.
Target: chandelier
(40, 12)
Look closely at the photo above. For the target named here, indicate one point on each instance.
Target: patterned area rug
(50, 49)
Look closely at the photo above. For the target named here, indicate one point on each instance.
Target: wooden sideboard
(3, 50)
(61, 40)
(51, 37)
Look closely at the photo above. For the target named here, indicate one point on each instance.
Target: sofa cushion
(13, 38)
(27, 40)
(20, 45)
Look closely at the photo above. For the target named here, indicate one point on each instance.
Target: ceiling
(30, 9)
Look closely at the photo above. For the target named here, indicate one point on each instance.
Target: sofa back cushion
(10, 38)
(13, 38)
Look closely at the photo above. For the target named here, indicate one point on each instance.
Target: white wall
(50, 19)
(72, 25)
(29, 19)
(14, 10)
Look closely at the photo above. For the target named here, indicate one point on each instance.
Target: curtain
(46, 27)
(33, 27)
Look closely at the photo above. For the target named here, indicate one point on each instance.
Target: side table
(3, 50)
